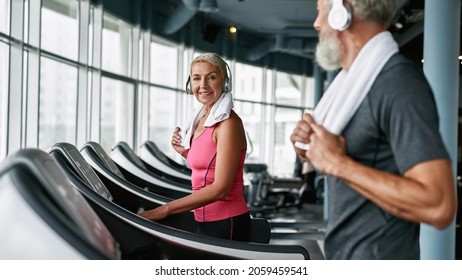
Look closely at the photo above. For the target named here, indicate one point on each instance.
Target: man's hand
(302, 134)
(326, 149)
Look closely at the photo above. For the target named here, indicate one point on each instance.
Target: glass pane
(60, 27)
(269, 86)
(117, 101)
(164, 64)
(309, 97)
(248, 82)
(288, 89)
(91, 24)
(3, 96)
(268, 135)
(116, 46)
(162, 118)
(251, 115)
(58, 103)
(4, 16)
(283, 153)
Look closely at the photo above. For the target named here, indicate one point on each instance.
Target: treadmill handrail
(122, 183)
(130, 166)
(152, 148)
(150, 159)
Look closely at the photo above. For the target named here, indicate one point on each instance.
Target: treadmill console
(82, 167)
(104, 157)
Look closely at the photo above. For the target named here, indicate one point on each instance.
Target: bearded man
(375, 136)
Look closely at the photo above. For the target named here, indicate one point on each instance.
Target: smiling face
(206, 82)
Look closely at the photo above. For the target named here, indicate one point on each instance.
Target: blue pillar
(441, 67)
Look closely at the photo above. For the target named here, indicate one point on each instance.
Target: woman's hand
(154, 214)
(177, 144)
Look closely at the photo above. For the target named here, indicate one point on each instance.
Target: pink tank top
(201, 159)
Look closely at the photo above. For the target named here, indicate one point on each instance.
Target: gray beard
(328, 53)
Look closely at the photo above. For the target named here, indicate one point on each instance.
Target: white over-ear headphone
(339, 16)
(227, 85)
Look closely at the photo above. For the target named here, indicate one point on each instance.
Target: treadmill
(134, 198)
(128, 195)
(140, 238)
(43, 216)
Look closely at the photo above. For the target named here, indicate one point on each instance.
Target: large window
(117, 46)
(248, 85)
(112, 103)
(250, 114)
(60, 27)
(162, 118)
(117, 112)
(288, 89)
(248, 82)
(164, 63)
(283, 151)
(58, 103)
(163, 70)
(4, 16)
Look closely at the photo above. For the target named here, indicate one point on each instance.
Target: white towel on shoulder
(220, 111)
(349, 88)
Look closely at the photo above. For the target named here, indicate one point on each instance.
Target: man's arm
(424, 193)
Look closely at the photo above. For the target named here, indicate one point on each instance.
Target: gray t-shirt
(395, 127)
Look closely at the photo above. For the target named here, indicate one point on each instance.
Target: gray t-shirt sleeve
(409, 119)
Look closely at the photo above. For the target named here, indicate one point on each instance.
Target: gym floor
(307, 232)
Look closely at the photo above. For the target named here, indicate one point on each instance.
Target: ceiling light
(208, 6)
(232, 29)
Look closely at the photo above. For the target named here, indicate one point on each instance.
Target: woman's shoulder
(233, 122)
(234, 118)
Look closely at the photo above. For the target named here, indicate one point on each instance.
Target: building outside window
(60, 27)
(117, 112)
(58, 103)
(116, 46)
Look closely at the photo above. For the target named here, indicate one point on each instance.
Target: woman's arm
(230, 139)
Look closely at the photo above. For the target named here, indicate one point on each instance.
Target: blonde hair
(215, 60)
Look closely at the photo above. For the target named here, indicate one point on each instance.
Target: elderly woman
(214, 146)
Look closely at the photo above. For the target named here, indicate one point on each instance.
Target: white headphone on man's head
(227, 85)
(339, 16)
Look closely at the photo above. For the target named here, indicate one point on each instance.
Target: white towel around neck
(220, 111)
(349, 88)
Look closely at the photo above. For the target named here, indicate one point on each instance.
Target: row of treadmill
(70, 203)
